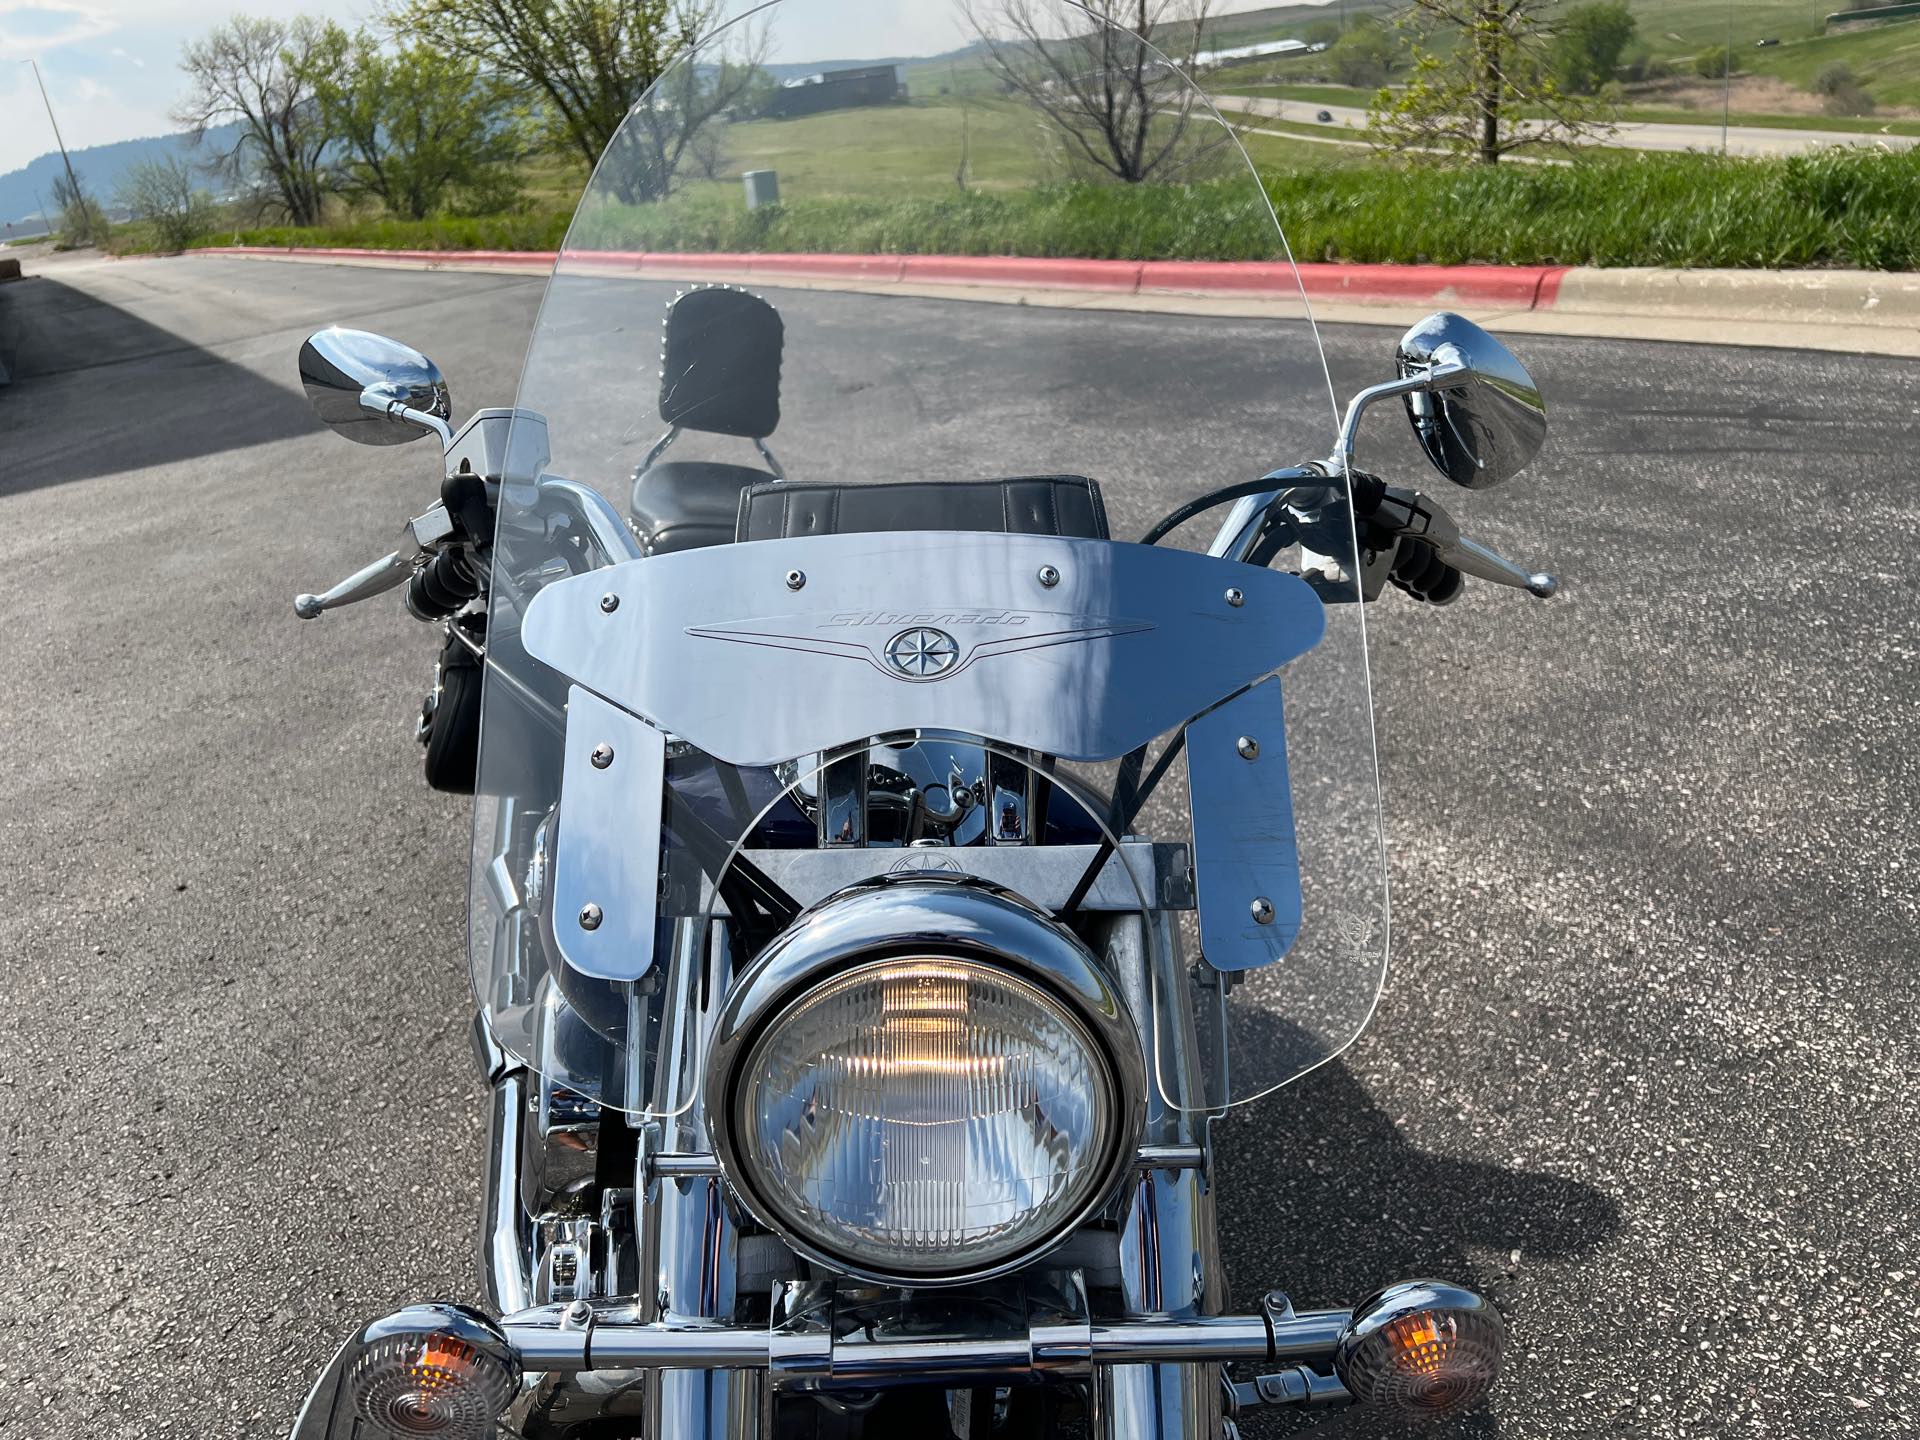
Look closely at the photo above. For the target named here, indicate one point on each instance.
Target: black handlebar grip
(1419, 570)
(441, 586)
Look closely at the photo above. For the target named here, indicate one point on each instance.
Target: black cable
(1174, 519)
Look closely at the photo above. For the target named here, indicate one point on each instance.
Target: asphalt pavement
(1626, 134)
(1643, 1063)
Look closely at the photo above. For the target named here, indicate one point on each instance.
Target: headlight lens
(923, 1115)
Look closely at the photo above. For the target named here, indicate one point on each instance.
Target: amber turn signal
(1423, 1347)
(432, 1370)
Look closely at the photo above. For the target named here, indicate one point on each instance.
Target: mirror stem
(1441, 377)
(375, 403)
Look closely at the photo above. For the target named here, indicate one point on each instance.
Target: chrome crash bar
(581, 1337)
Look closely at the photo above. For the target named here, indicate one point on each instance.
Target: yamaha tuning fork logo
(922, 653)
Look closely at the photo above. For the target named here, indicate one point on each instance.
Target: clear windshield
(855, 387)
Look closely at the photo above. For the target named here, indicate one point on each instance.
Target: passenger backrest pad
(1068, 505)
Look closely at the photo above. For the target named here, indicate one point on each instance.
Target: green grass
(915, 147)
(536, 230)
(1885, 58)
(1686, 27)
(1829, 208)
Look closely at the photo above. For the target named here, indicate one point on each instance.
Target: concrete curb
(1794, 297)
(1518, 287)
(1848, 311)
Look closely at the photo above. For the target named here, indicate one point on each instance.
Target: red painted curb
(1122, 275)
(1527, 287)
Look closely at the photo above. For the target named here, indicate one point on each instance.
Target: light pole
(1726, 92)
(73, 184)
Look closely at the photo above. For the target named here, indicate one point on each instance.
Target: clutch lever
(425, 531)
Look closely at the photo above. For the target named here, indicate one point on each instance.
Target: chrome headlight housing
(925, 1081)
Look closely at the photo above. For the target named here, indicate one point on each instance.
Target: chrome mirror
(1481, 419)
(373, 390)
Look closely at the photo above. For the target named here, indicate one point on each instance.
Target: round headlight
(914, 1112)
(924, 1116)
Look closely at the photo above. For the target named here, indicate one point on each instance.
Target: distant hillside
(99, 167)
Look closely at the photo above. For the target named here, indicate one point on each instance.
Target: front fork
(688, 1245)
(1170, 1264)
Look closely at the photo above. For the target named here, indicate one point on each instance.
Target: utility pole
(85, 219)
(41, 206)
(1726, 93)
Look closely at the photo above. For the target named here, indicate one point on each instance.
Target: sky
(112, 66)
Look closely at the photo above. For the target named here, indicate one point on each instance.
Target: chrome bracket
(566, 1262)
(1297, 1384)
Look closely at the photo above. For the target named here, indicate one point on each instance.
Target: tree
(679, 128)
(1096, 73)
(1364, 56)
(1588, 44)
(258, 73)
(78, 217)
(1478, 67)
(162, 193)
(590, 60)
(415, 123)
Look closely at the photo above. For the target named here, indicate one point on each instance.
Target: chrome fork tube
(1169, 1247)
(505, 1267)
(688, 1243)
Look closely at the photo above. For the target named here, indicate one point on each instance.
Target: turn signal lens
(408, 1384)
(1423, 1348)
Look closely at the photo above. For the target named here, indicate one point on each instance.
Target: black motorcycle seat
(1065, 505)
(685, 504)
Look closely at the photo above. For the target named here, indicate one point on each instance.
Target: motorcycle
(884, 877)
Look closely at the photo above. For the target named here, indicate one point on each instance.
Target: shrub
(1834, 78)
(162, 193)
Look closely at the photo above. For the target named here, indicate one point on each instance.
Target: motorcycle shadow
(1319, 1194)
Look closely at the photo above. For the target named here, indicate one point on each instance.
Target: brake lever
(1411, 514)
(1470, 557)
(425, 531)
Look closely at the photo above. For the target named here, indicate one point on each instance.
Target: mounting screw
(590, 916)
(796, 579)
(579, 1313)
(1248, 747)
(1262, 910)
(1236, 599)
(602, 755)
(609, 602)
(1049, 576)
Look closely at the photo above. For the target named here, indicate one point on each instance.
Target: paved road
(1628, 134)
(1644, 1061)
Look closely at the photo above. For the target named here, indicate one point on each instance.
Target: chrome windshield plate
(762, 651)
(1246, 856)
(606, 862)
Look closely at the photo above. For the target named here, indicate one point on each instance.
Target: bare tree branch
(254, 73)
(1106, 76)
